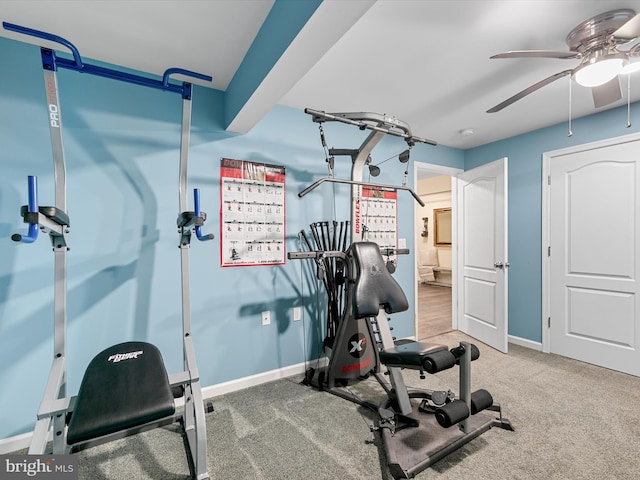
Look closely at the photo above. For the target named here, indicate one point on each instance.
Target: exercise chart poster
(252, 217)
(376, 216)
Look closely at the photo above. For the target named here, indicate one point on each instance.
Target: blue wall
(122, 150)
(525, 203)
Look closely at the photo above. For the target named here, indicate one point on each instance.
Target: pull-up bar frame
(380, 125)
(50, 61)
(371, 121)
(54, 400)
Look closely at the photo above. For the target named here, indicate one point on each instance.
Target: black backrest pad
(124, 386)
(374, 285)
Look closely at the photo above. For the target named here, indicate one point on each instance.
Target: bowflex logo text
(58, 467)
(118, 357)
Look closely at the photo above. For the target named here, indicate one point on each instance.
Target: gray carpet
(572, 421)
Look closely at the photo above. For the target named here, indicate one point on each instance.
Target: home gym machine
(125, 389)
(417, 433)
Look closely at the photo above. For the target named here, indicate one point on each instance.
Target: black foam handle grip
(480, 399)
(438, 361)
(452, 413)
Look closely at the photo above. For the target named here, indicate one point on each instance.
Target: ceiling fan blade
(629, 30)
(529, 90)
(607, 93)
(537, 54)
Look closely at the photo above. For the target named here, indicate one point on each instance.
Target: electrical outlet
(297, 314)
(266, 317)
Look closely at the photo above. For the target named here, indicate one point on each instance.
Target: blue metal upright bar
(196, 211)
(32, 207)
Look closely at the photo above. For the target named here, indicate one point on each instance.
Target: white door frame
(452, 172)
(547, 158)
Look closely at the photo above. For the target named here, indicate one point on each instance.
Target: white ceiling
(424, 61)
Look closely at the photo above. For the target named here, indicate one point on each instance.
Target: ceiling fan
(605, 45)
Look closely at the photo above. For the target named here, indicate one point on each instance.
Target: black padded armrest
(189, 219)
(186, 219)
(52, 213)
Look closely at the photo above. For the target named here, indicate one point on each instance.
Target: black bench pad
(124, 386)
(410, 354)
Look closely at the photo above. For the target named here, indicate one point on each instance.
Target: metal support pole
(357, 170)
(55, 128)
(193, 414)
(395, 373)
(465, 382)
(184, 151)
(57, 382)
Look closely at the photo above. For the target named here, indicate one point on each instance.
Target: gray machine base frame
(412, 449)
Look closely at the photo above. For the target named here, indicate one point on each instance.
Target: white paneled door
(594, 213)
(482, 254)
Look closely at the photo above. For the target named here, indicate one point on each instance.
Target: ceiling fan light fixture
(599, 69)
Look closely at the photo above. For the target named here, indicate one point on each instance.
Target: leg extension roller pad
(452, 413)
(480, 399)
(438, 361)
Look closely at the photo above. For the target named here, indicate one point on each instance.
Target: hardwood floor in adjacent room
(434, 310)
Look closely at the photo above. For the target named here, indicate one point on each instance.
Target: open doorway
(435, 250)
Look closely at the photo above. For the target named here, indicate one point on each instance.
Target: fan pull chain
(628, 100)
(570, 133)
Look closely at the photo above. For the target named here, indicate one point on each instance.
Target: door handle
(499, 265)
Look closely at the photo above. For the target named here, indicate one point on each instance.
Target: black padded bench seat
(410, 354)
(124, 386)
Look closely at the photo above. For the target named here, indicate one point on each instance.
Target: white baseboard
(523, 342)
(257, 379)
(17, 442)
(22, 441)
